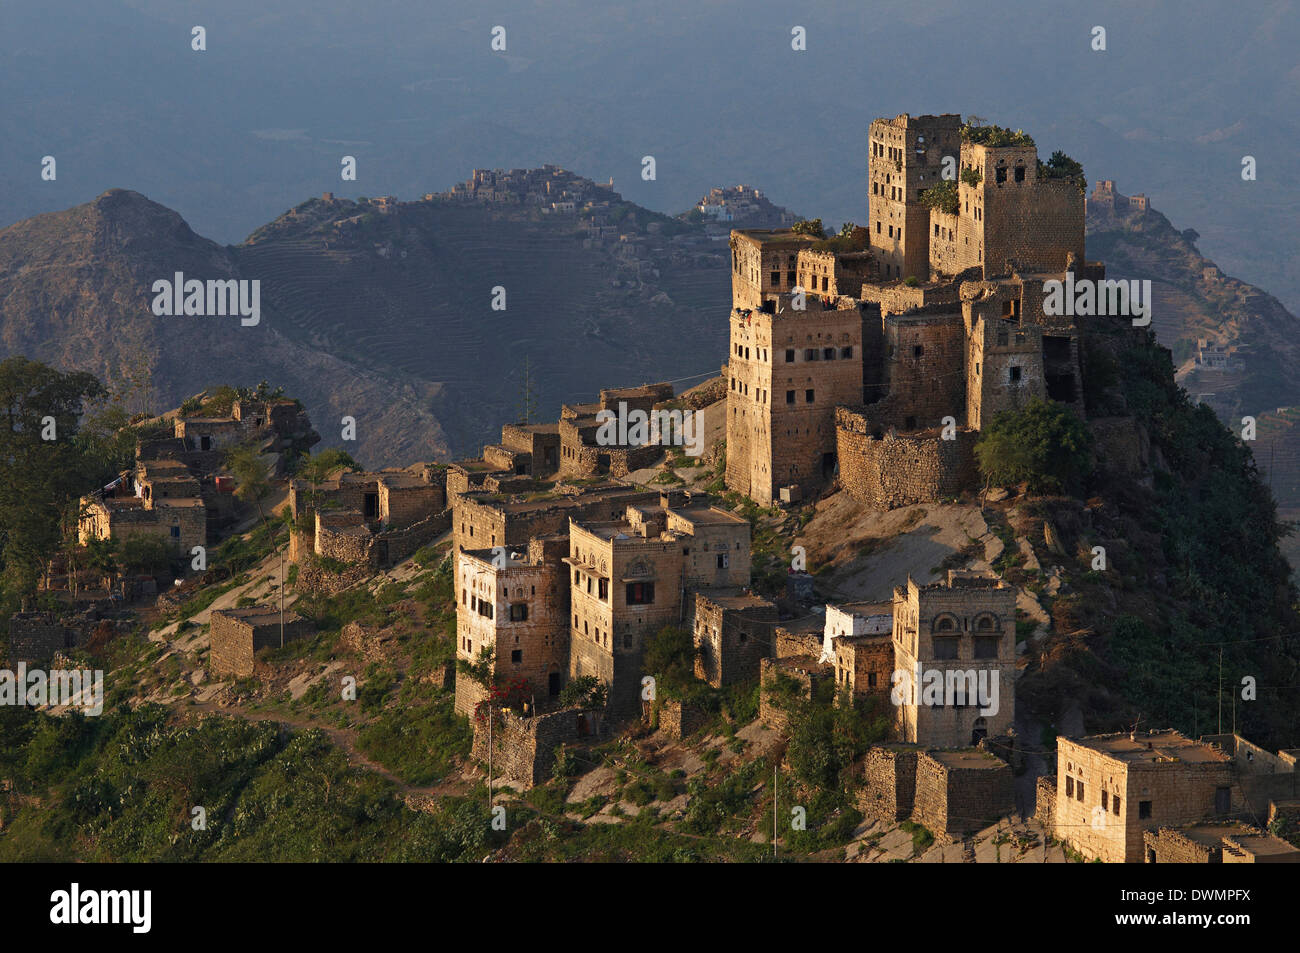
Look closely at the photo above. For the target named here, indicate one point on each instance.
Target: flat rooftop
(514, 558)
(556, 499)
(968, 758)
(1249, 838)
(1151, 747)
(813, 622)
(704, 514)
(402, 480)
(774, 235)
(259, 615)
(865, 608)
(732, 598)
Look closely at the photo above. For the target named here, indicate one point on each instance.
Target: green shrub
(1043, 444)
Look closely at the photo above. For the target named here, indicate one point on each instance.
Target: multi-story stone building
(1114, 790)
(955, 658)
(515, 604)
(631, 577)
(907, 156)
(787, 371)
(879, 358)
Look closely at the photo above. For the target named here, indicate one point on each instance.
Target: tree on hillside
(102, 557)
(1043, 444)
(317, 469)
(146, 554)
(42, 467)
(670, 658)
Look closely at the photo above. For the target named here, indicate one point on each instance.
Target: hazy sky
(234, 135)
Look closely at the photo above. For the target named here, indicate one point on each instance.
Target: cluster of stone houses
(175, 491)
(1159, 797)
(369, 518)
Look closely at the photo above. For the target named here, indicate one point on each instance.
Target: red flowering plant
(510, 694)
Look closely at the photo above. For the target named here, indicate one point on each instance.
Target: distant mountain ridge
(377, 310)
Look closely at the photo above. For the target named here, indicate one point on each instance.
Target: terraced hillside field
(412, 291)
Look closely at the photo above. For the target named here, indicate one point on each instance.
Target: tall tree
(43, 469)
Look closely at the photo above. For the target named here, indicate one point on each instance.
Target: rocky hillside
(382, 315)
(1194, 300)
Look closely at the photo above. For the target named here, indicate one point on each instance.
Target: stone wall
(1176, 792)
(36, 636)
(313, 578)
(731, 638)
(902, 469)
(787, 372)
(1172, 846)
(236, 635)
(889, 782)
(795, 643)
(344, 537)
(523, 748)
(1045, 802)
(678, 720)
(959, 792)
(396, 545)
(925, 353)
(805, 672)
(402, 505)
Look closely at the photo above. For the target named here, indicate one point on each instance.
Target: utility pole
(1220, 690)
(282, 585)
(775, 769)
(489, 756)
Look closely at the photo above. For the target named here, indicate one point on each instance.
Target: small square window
(1144, 809)
(808, 396)
(516, 656)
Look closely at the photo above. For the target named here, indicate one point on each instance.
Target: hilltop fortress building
(857, 352)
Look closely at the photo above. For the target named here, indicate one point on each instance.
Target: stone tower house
(906, 156)
(964, 629)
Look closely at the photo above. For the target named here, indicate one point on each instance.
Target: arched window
(945, 623)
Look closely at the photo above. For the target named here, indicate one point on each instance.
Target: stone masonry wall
(1045, 802)
(36, 636)
(523, 749)
(889, 782)
(1174, 847)
(952, 800)
(900, 470)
